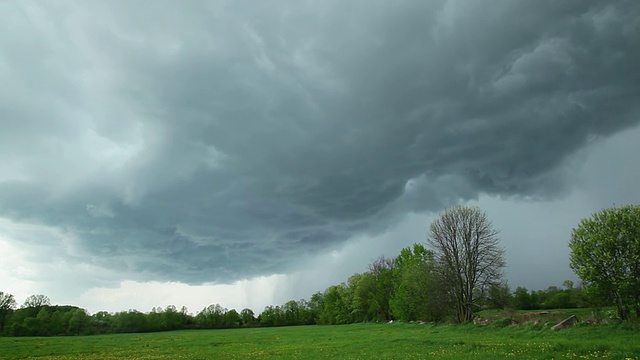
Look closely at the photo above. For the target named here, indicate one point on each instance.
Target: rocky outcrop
(565, 323)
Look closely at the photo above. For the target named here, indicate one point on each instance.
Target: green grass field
(358, 341)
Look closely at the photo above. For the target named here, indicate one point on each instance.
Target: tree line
(383, 293)
(456, 273)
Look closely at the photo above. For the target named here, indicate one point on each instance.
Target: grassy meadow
(356, 341)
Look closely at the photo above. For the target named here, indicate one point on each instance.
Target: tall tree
(361, 289)
(335, 306)
(470, 259)
(499, 296)
(232, 318)
(248, 317)
(383, 286)
(522, 299)
(171, 318)
(7, 304)
(605, 253)
(78, 322)
(271, 316)
(418, 294)
(211, 316)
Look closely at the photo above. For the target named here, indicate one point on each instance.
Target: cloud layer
(215, 141)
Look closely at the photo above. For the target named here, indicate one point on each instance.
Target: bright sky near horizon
(248, 153)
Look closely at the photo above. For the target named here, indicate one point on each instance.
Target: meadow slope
(357, 341)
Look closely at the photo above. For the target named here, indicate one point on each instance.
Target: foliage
(293, 312)
(7, 305)
(335, 306)
(382, 287)
(211, 316)
(248, 317)
(522, 299)
(605, 253)
(43, 321)
(551, 298)
(466, 247)
(419, 293)
(499, 296)
(459, 275)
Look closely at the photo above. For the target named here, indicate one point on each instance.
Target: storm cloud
(220, 140)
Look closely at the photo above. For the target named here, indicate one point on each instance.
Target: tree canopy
(605, 253)
(457, 272)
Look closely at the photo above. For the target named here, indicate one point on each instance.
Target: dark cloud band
(215, 141)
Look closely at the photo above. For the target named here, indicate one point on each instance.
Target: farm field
(357, 341)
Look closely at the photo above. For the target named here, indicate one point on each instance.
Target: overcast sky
(252, 152)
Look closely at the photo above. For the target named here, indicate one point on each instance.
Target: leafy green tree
(292, 313)
(499, 296)
(7, 305)
(31, 326)
(522, 299)
(272, 316)
(156, 319)
(605, 253)
(131, 321)
(578, 296)
(186, 320)
(248, 317)
(361, 288)
(560, 300)
(316, 304)
(383, 287)
(545, 296)
(59, 322)
(335, 307)
(102, 322)
(417, 294)
(20, 325)
(232, 318)
(535, 300)
(568, 284)
(470, 259)
(305, 315)
(211, 317)
(171, 318)
(44, 318)
(79, 322)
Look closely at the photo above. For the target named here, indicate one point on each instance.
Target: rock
(565, 323)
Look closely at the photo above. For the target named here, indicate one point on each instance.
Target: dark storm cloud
(210, 141)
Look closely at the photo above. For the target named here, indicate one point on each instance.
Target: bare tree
(380, 264)
(36, 301)
(469, 256)
(7, 301)
(7, 304)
